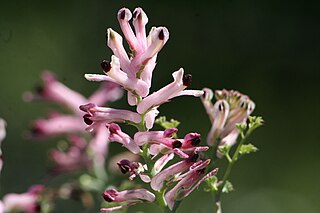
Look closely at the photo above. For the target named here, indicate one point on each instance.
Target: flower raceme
(133, 72)
(231, 108)
(72, 123)
(129, 197)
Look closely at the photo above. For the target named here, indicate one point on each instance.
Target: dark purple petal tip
(187, 79)
(86, 107)
(176, 144)
(87, 120)
(161, 35)
(106, 66)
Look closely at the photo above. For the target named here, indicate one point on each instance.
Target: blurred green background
(266, 49)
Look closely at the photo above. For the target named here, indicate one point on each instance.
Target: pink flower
(188, 182)
(158, 180)
(73, 159)
(131, 197)
(168, 92)
(116, 75)
(118, 136)
(162, 141)
(134, 169)
(132, 72)
(26, 202)
(145, 49)
(97, 114)
(231, 108)
(57, 123)
(54, 91)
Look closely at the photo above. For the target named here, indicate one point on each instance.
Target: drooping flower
(231, 108)
(26, 202)
(130, 197)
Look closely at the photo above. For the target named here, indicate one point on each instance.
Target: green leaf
(228, 187)
(247, 149)
(162, 121)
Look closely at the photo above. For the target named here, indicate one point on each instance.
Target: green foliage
(212, 184)
(228, 187)
(162, 121)
(255, 122)
(247, 149)
(224, 150)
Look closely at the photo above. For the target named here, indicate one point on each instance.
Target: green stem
(229, 168)
(145, 154)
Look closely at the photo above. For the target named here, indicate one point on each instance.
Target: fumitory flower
(117, 135)
(73, 159)
(54, 91)
(72, 123)
(26, 202)
(130, 197)
(188, 182)
(134, 169)
(231, 108)
(162, 141)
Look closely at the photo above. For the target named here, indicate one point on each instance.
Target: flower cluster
(90, 126)
(133, 72)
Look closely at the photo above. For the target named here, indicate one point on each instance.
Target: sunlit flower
(134, 169)
(130, 197)
(117, 135)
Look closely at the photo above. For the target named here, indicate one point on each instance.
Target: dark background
(266, 49)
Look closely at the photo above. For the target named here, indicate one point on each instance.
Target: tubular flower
(118, 136)
(159, 179)
(54, 91)
(58, 123)
(174, 89)
(116, 75)
(231, 108)
(188, 182)
(134, 71)
(131, 197)
(26, 202)
(97, 114)
(73, 159)
(162, 141)
(134, 169)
